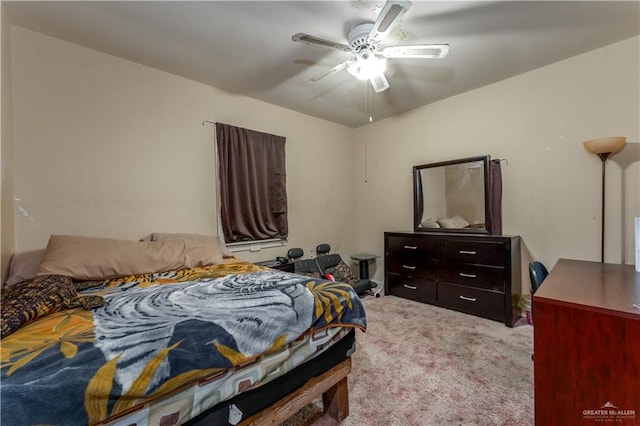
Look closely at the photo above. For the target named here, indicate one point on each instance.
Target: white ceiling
(246, 48)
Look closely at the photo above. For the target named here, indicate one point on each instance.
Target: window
(252, 179)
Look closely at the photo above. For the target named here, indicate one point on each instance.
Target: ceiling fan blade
(330, 71)
(379, 83)
(316, 41)
(389, 17)
(433, 51)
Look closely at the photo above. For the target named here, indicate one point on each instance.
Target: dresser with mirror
(454, 257)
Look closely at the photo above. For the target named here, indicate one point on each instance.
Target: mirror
(452, 196)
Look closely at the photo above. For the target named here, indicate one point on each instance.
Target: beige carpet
(422, 365)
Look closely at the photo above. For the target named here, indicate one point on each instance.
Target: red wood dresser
(587, 345)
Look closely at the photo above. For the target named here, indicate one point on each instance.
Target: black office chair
(307, 267)
(537, 274)
(332, 263)
(295, 253)
(303, 266)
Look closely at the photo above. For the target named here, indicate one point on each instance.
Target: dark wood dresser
(474, 273)
(587, 345)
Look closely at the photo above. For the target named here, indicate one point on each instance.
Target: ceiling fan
(365, 42)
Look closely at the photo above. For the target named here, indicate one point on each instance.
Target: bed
(224, 343)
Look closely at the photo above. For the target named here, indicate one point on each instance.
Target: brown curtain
(495, 200)
(253, 190)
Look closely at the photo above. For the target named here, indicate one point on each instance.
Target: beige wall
(7, 228)
(107, 147)
(537, 121)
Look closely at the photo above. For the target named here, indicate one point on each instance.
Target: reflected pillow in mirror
(459, 221)
(429, 223)
(447, 223)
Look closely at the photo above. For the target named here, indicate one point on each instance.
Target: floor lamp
(604, 148)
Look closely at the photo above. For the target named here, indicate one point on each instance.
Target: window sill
(255, 246)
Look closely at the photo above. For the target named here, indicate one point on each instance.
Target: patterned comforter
(160, 332)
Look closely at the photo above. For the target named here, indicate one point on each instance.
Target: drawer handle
(410, 287)
(467, 252)
(462, 274)
(411, 247)
(470, 299)
(409, 267)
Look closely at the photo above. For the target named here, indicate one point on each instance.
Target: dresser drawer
(412, 266)
(485, 303)
(486, 277)
(419, 289)
(476, 252)
(407, 247)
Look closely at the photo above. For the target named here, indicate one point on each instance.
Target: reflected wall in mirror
(452, 196)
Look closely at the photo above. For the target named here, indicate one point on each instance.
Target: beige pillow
(24, 266)
(158, 236)
(89, 258)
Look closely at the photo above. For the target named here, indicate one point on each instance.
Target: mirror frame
(418, 201)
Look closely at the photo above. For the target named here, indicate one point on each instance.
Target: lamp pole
(603, 156)
(604, 148)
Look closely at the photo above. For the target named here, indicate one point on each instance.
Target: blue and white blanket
(159, 333)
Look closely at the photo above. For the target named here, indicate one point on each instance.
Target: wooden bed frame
(332, 385)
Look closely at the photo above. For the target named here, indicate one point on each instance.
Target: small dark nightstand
(363, 260)
(286, 267)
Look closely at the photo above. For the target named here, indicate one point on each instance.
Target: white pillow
(447, 223)
(430, 223)
(459, 221)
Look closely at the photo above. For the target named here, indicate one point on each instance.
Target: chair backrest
(328, 262)
(537, 274)
(306, 266)
(295, 253)
(323, 249)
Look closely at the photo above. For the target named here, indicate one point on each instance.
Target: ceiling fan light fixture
(365, 69)
(379, 82)
(433, 51)
(364, 41)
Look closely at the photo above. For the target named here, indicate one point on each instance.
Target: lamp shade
(609, 146)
